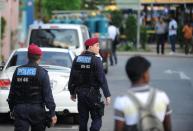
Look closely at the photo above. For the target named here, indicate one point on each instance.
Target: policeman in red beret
(87, 77)
(30, 92)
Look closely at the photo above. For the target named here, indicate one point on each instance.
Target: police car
(57, 62)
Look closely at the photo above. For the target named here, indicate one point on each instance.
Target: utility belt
(93, 95)
(91, 91)
(30, 103)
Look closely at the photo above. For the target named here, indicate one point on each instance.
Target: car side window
(19, 58)
(12, 61)
(56, 58)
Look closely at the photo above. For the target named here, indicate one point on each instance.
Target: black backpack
(117, 39)
(147, 120)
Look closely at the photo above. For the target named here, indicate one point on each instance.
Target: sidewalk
(152, 47)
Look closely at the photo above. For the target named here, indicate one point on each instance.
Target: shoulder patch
(26, 71)
(84, 59)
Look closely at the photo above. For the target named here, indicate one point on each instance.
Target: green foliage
(143, 37)
(50, 5)
(92, 4)
(180, 36)
(126, 47)
(3, 24)
(131, 28)
(117, 18)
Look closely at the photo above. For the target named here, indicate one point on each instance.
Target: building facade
(11, 15)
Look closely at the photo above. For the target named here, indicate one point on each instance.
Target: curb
(155, 54)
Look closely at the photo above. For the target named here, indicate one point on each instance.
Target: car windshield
(61, 38)
(48, 58)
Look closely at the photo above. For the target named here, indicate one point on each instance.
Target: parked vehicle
(97, 26)
(69, 36)
(57, 62)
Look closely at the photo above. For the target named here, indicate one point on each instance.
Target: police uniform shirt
(125, 109)
(30, 69)
(99, 73)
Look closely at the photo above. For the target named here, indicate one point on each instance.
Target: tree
(93, 4)
(3, 24)
(117, 18)
(47, 6)
(131, 28)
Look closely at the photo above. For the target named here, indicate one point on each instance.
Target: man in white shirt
(173, 33)
(125, 111)
(113, 33)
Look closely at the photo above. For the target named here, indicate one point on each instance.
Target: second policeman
(87, 77)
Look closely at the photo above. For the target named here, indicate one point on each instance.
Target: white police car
(57, 62)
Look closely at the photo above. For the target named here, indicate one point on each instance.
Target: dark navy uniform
(86, 78)
(29, 93)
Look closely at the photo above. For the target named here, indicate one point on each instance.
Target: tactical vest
(84, 71)
(28, 86)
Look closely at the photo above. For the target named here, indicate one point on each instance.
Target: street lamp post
(138, 24)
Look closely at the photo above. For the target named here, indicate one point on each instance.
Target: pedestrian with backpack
(113, 32)
(142, 108)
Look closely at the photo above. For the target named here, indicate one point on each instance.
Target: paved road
(171, 74)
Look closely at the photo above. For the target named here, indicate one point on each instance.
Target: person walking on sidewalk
(187, 31)
(173, 26)
(160, 29)
(113, 32)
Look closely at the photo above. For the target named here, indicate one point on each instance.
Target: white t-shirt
(112, 31)
(173, 27)
(125, 109)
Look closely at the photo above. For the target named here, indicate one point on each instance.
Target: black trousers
(27, 115)
(188, 43)
(160, 42)
(113, 55)
(86, 106)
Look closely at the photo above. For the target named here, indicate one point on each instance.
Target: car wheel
(76, 118)
(4, 117)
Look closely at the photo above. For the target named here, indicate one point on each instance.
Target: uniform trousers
(27, 115)
(86, 103)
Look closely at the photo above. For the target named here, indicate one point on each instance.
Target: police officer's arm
(11, 93)
(101, 77)
(71, 84)
(47, 94)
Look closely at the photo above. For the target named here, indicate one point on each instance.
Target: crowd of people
(168, 32)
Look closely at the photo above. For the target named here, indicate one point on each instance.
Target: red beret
(91, 41)
(34, 49)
